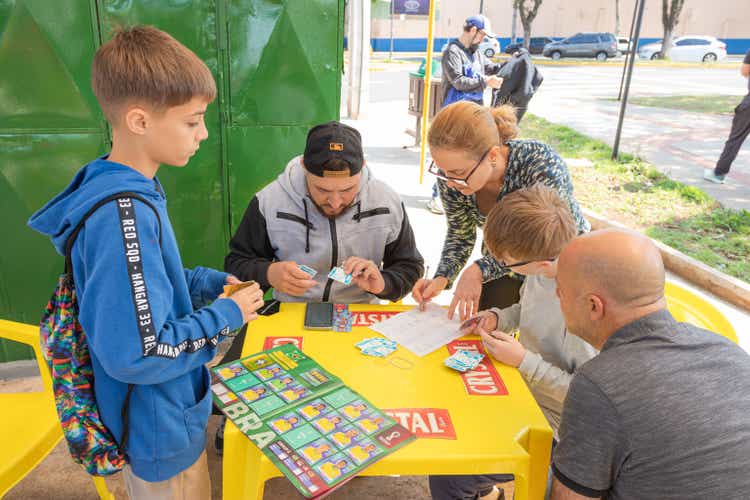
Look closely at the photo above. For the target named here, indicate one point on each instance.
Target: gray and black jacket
(465, 73)
(283, 224)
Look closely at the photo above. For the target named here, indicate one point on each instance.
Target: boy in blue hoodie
(148, 321)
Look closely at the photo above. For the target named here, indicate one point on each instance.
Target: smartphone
(319, 316)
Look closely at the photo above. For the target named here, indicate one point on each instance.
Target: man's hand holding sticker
(287, 277)
(365, 274)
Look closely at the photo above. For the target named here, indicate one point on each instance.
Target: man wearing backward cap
(326, 209)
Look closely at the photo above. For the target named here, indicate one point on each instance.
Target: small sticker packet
(236, 287)
(338, 274)
(377, 346)
(343, 319)
(464, 361)
(309, 270)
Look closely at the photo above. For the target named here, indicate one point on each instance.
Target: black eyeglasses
(434, 170)
(522, 263)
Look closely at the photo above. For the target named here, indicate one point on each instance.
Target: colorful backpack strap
(72, 238)
(69, 272)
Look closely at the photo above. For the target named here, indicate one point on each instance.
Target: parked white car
(490, 47)
(688, 48)
(623, 45)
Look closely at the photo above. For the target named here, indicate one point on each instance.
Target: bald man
(663, 412)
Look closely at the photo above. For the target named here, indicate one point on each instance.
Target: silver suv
(598, 45)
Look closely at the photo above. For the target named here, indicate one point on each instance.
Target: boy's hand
(426, 289)
(233, 280)
(503, 347)
(288, 278)
(365, 274)
(487, 322)
(249, 300)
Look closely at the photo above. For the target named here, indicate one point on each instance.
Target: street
(390, 153)
(678, 143)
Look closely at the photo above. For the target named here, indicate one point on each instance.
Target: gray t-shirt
(663, 412)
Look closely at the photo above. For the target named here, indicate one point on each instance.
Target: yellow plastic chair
(29, 429)
(688, 307)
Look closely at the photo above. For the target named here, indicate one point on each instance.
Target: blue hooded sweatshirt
(144, 315)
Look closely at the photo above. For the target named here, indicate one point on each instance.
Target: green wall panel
(33, 168)
(196, 192)
(257, 155)
(46, 71)
(285, 61)
(278, 71)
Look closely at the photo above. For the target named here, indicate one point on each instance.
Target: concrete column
(358, 95)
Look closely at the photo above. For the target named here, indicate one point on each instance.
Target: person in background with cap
(466, 73)
(326, 209)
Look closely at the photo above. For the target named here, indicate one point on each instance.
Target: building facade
(728, 20)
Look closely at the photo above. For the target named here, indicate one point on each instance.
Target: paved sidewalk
(679, 143)
(388, 153)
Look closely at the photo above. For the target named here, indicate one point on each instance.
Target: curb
(544, 61)
(734, 291)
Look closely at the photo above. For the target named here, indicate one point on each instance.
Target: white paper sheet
(421, 331)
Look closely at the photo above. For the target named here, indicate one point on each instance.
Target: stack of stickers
(377, 346)
(343, 319)
(464, 361)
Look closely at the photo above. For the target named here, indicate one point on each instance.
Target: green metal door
(50, 125)
(277, 65)
(284, 75)
(196, 194)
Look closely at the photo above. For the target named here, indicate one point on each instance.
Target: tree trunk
(666, 44)
(670, 16)
(526, 35)
(617, 18)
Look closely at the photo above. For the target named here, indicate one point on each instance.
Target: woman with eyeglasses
(478, 160)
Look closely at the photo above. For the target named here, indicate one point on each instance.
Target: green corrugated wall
(278, 69)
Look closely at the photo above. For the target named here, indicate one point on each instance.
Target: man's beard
(330, 216)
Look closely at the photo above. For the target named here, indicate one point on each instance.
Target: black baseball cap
(333, 150)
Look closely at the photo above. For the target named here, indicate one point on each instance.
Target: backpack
(65, 349)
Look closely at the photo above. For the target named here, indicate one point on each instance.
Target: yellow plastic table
(494, 434)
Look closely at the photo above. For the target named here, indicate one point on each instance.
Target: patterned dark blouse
(529, 162)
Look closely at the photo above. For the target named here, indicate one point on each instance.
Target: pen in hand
(422, 303)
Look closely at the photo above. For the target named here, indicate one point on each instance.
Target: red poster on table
(484, 379)
(426, 423)
(272, 342)
(368, 318)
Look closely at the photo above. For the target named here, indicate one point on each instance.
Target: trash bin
(416, 94)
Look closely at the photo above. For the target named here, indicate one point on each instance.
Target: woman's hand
(426, 289)
(468, 291)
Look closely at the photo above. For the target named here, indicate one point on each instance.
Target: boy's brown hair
(533, 223)
(145, 65)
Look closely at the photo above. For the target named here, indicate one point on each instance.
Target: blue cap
(481, 23)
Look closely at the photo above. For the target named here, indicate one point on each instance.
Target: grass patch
(634, 193)
(714, 104)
